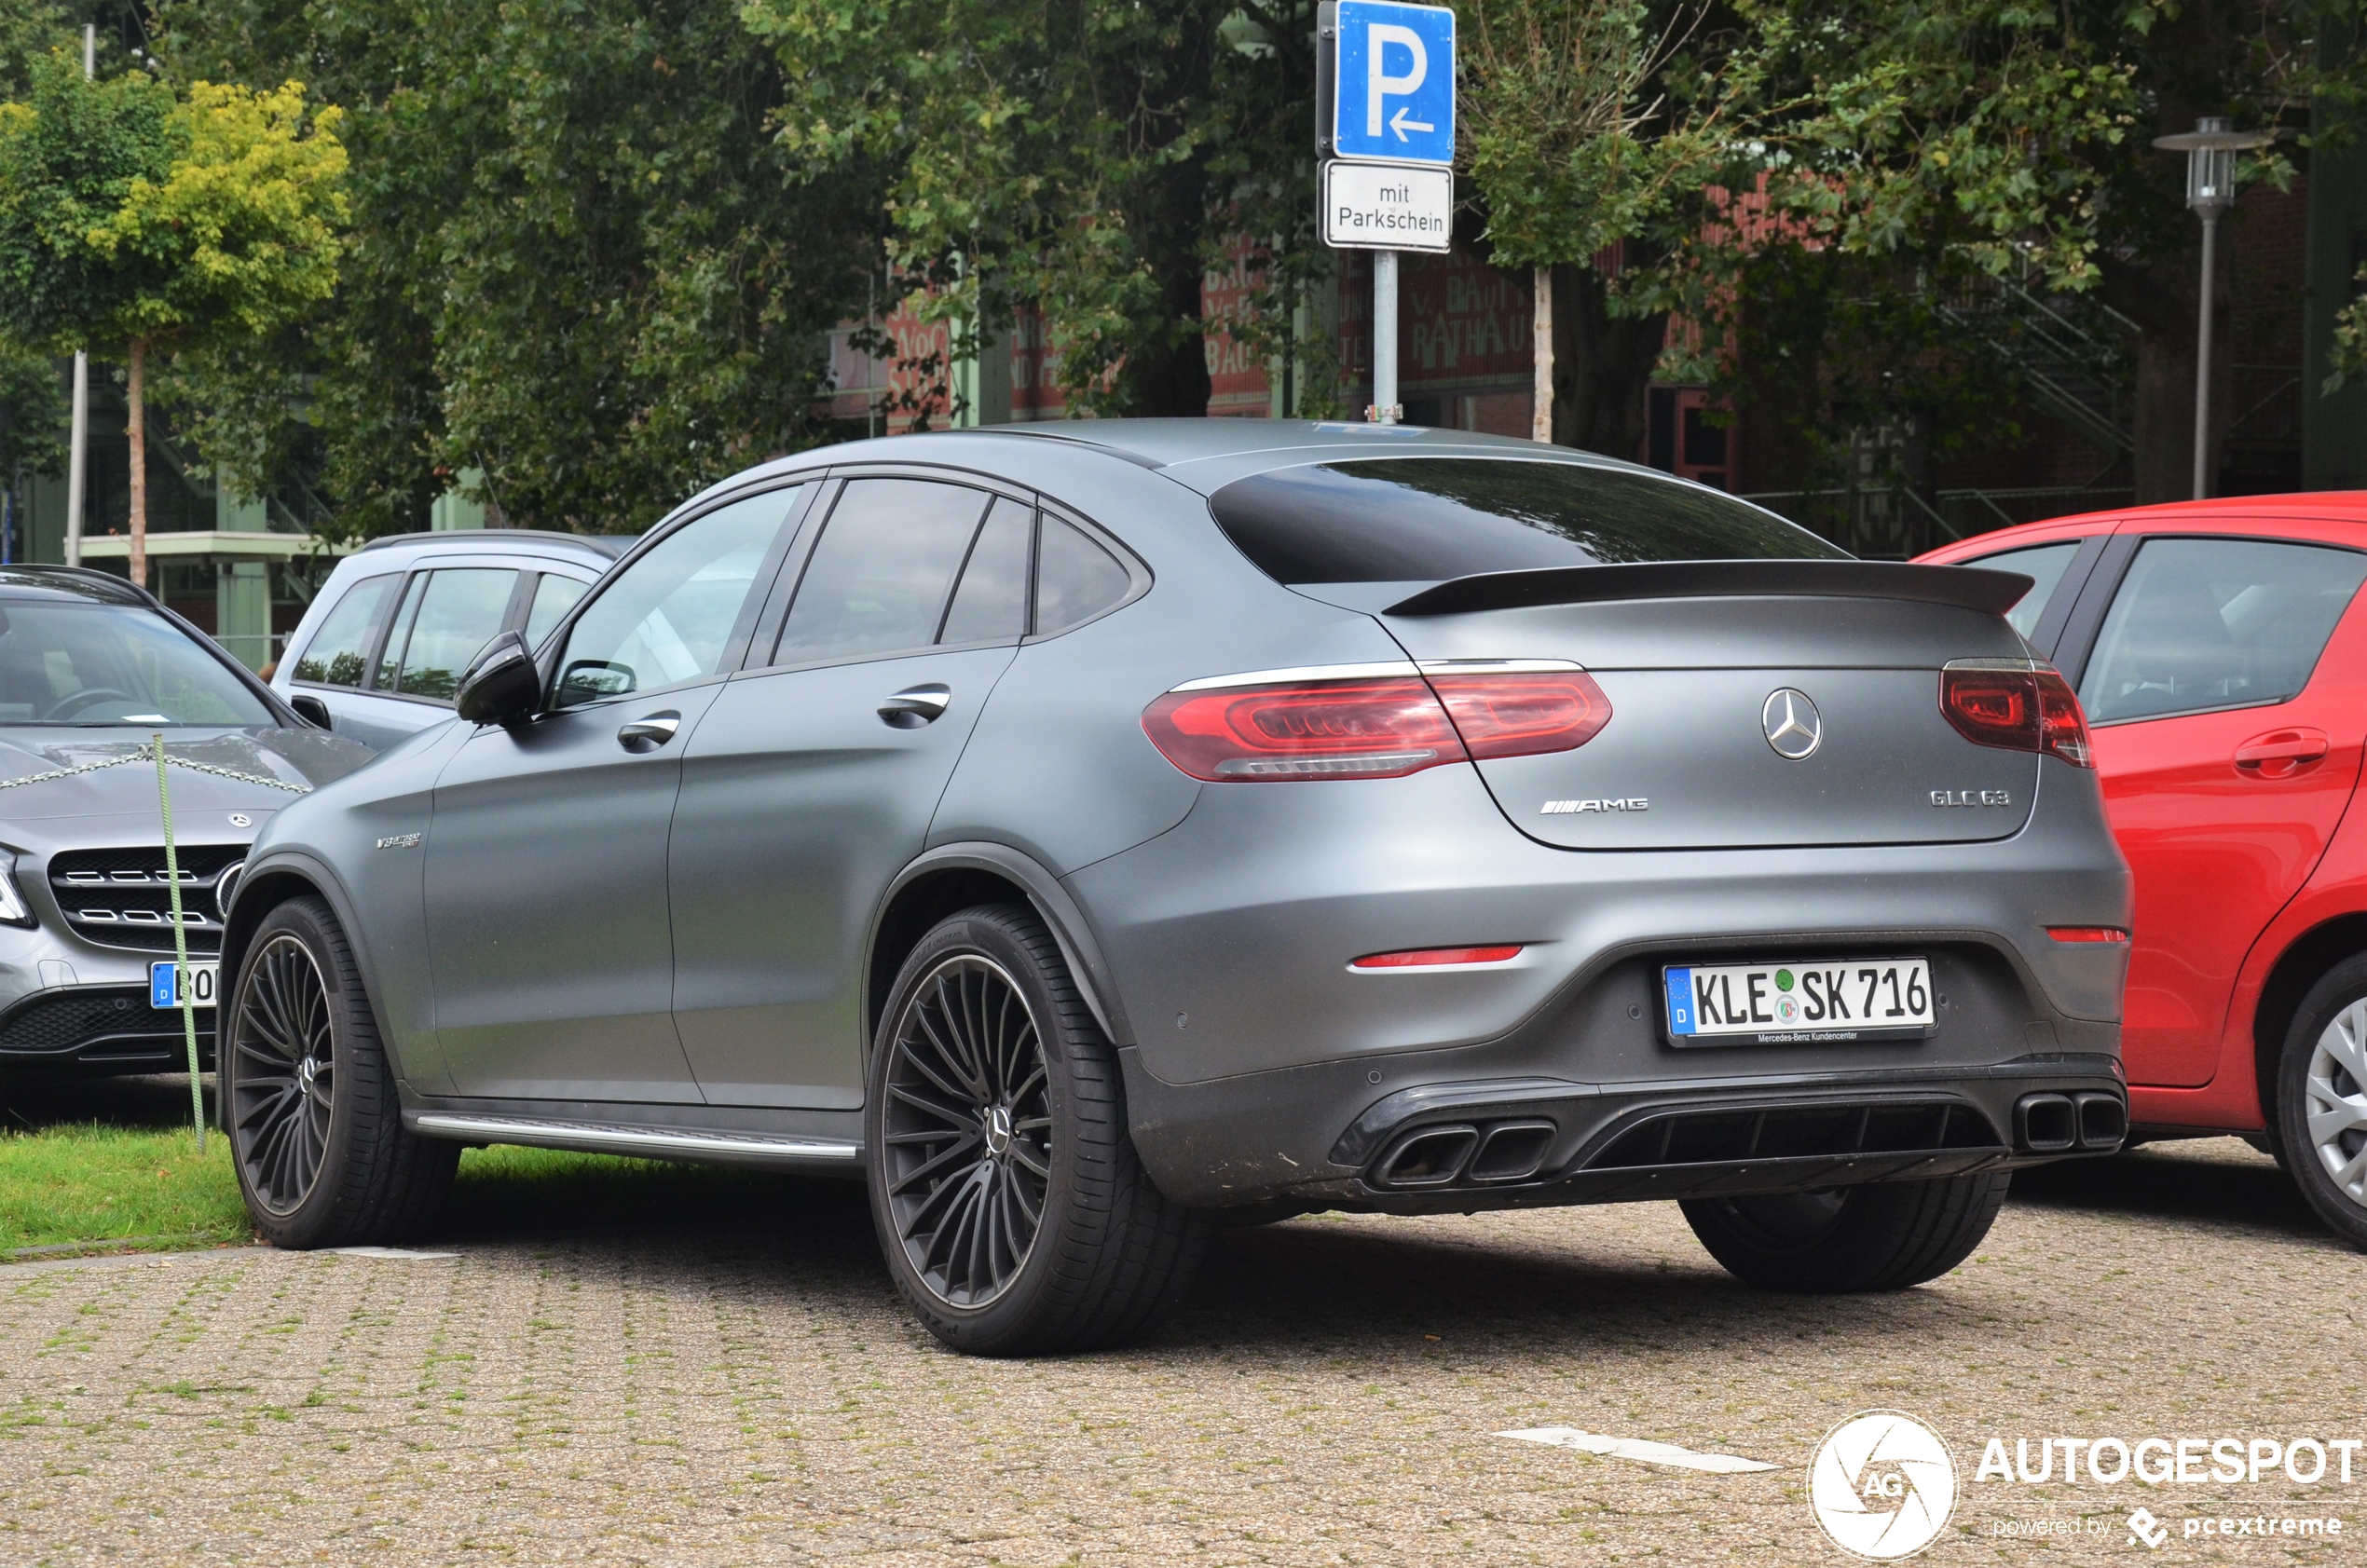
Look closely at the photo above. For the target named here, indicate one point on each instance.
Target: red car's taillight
(2016, 705)
(1379, 726)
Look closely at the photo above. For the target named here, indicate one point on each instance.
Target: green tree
(130, 220)
(1091, 158)
(581, 267)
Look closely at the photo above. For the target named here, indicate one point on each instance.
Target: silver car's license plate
(1799, 1002)
(203, 979)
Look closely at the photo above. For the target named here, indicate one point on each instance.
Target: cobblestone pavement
(746, 1389)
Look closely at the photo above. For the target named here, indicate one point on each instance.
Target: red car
(2220, 649)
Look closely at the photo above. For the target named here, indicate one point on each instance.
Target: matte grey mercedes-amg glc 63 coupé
(1079, 832)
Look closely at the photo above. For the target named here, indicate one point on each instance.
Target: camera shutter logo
(1881, 1485)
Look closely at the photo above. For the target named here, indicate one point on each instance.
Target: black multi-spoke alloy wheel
(1885, 1236)
(308, 1094)
(2319, 1121)
(1011, 1204)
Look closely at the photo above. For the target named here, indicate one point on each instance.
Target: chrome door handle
(649, 733)
(916, 705)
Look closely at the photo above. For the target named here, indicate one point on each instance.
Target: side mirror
(312, 708)
(502, 685)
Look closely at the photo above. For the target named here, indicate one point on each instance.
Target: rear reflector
(2087, 934)
(2017, 705)
(1423, 958)
(1373, 727)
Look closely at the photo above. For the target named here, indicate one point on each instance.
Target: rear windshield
(1429, 519)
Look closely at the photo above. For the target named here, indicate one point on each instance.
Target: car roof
(84, 583)
(515, 541)
(2315, 506)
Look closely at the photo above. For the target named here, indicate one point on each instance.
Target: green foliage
(71, 157)
(33, 415)
(2347, 361)
(1093, 157)
(581, 263)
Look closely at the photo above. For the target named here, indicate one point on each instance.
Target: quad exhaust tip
(2056, 1124)
(1462, 1155)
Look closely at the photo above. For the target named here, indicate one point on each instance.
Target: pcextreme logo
(1881, 1485)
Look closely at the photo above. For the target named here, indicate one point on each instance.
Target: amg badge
(1567, 808)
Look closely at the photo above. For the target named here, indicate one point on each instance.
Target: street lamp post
(2211, 150)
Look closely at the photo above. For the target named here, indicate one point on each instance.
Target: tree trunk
(1540, 426)
(1602, 365)
(138, 430)
(2165, 458)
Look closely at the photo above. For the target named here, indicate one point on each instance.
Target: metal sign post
(1385, 125)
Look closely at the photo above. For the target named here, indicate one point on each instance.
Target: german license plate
(1801, 1003)
(203, 980)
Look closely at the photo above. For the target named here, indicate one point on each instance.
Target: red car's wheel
(2321, 1099)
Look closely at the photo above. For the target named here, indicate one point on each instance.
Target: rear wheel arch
(957, 877)
(2304, 963)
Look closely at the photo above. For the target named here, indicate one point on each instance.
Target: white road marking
(387, 1252)
(1634, 1448)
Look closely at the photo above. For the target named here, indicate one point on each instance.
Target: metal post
(2202, 359)
(1384, 410)
(1541, 419)
(78, 455)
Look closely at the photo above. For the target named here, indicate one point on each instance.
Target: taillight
(2017, 704)
(2087, 934)
(1371, 726)
(1520, 714)
(1372, 729)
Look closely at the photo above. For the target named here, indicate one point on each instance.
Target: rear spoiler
(1959, 587)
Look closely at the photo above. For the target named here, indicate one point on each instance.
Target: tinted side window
(458, 615)
(399, 634)
(1428, 519)
(335, 655)
(2045, 565)
(2216, 623)
(554, 597)
(878, 580)
(1076, 579)
(669, 617)
(992, 600)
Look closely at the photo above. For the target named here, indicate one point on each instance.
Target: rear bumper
(99, 1029)
(1325, 1135)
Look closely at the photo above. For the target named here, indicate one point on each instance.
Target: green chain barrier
(184, 984)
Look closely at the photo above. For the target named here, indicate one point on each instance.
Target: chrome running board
(602, 1137)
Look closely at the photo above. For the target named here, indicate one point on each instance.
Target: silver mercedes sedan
(1081, 832)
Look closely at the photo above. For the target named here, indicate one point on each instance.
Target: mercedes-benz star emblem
(1792, 724)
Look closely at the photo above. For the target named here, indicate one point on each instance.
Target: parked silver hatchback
(379, 653)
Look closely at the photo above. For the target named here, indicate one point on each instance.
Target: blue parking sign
(1395, 74)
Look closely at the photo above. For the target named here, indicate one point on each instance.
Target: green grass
(85, 1183)
(100, 1164)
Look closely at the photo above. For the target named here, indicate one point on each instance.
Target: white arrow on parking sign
(1399, 123)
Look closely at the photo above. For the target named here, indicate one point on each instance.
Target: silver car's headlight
(14, 910)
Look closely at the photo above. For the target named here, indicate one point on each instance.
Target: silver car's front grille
(123, 898)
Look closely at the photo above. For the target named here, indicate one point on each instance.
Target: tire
(990, 1093)
(318, 1168)
(2319, 1121)
(1884, 1236)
